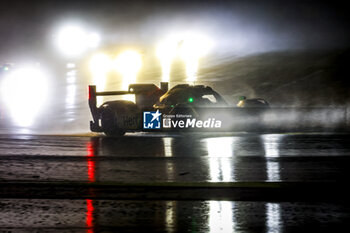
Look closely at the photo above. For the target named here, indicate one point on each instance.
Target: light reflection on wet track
(169, 216)
(173, 158)
(183, 158)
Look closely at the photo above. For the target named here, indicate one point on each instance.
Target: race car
(184, 105)
(252, 103)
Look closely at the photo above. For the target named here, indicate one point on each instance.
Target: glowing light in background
(166, 52)
(73, 40)
(70, 40)
(193, 47)
(100, 64)
(128, 64)
(93, 40)
(221, 217)
(71, 91)
(25, 92)
(190, 47)
(220, 151)
(70, 66)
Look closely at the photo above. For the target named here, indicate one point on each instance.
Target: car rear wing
(93, 99)
(136, 89)
(145, 95)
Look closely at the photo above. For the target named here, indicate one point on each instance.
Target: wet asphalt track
(170, 183)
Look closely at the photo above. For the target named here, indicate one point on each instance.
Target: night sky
(27, 27)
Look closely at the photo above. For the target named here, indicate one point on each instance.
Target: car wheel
(109, 124)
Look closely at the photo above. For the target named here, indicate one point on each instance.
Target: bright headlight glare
(190, 47)
(100, 64)
(73, 40)
(93, 40)
(194, 46)
(187, 45)
(167, 50)
(128, 63)
(24, 92)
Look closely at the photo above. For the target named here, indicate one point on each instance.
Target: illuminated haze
(238, 27)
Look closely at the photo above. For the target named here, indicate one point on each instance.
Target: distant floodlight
(190, 47)
(93, 40)
(128, 64)
(72, 40)
(166, 52)
(193, 47)
(100, 64)
(70, 65)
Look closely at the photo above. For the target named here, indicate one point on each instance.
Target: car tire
(109, 124)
